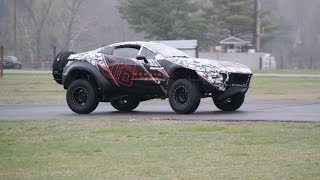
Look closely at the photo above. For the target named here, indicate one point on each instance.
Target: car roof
(140, 43)
(10, 57)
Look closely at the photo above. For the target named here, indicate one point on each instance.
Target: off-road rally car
(128, 73)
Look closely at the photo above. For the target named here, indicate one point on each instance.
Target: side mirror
(142, 58)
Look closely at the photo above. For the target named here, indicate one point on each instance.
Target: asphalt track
(279, 110)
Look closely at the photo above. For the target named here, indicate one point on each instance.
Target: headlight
(215, 76)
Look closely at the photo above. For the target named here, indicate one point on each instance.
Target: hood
(212, 70)
(202, 65)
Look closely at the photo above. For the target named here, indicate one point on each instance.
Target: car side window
(147, 53)
(126, 52)
(106, 50)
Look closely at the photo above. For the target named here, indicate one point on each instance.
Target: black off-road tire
(230, 104)
(125, 104)
(59, 62)
(19, 66)
(184, 96)
(82, 97)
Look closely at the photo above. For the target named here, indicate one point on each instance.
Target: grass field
(41, 89)
(290, 71)
(275, 88)
(30, 89)
(97, 148)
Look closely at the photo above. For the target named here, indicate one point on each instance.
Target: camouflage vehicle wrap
(130, 72)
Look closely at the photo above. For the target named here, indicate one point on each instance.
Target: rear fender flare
(103, 83)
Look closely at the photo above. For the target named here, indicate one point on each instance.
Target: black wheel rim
(227, 101)
(80, 96)
(123, 101)
(181, 95)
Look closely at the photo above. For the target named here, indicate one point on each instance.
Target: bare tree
(28, 38)
(73, 7)
(38, 12)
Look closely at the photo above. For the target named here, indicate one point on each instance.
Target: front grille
(239, 79)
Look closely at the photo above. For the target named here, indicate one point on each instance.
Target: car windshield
(167, 51)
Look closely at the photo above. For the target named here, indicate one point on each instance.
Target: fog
(298, 36)
(296, 41)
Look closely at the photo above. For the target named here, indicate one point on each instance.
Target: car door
(155, 76)
(154, 68)
(122, 66)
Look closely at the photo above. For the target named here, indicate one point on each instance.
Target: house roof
(234, 40)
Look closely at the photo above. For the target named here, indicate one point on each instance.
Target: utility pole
(258, 25)
(15, 26)
(54, 51)
(1, 61)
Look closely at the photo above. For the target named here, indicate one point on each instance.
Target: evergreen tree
(235, 18)
(160, 19)
(229, 17)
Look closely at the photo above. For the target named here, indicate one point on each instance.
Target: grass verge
(158, 149)
(26, 88)
(278, 88)
(290, 71)
(41, 89)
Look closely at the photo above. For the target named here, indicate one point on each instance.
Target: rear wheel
(125, 104)
(184, 96)
(18, 66)
(82, 97)
(230, 104)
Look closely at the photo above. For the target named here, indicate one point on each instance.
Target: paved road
(250, 111)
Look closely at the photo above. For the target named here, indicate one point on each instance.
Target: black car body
(11, 62)
(130, 72)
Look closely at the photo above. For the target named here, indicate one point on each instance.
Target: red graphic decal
(123, 75)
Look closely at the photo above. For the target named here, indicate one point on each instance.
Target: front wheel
(82, 97)
(125, 104)
(184, 96)
(230, 104)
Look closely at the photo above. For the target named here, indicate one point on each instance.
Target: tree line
(80, 25)
(42, 24)
(207, 21)
(38, 27)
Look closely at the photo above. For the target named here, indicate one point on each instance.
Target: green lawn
(98, 148)
(30, 89)
(277, 88)
(290, 71)
(41, 89)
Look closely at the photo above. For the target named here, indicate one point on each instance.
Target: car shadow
(161, 114)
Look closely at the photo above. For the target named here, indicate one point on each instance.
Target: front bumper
(232, 83)
(232, 90)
